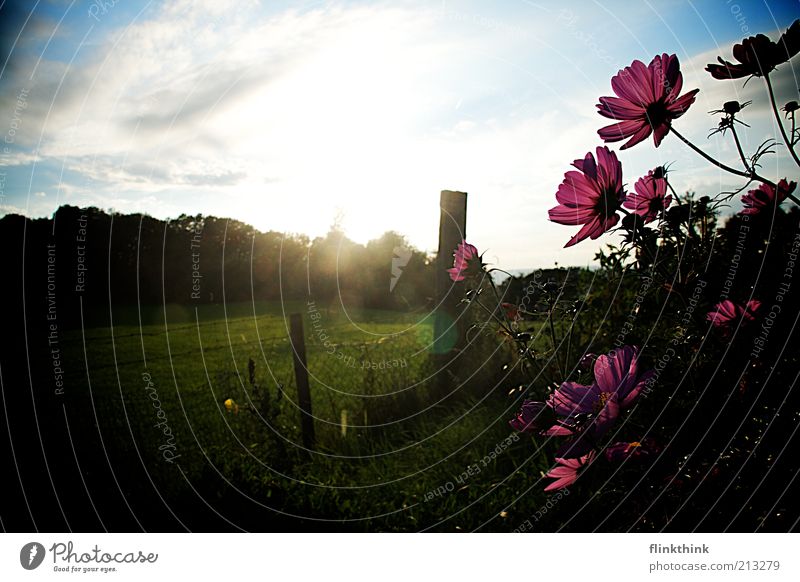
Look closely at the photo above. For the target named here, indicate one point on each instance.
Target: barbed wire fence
(361, 384)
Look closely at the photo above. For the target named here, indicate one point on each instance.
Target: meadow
(392, 451)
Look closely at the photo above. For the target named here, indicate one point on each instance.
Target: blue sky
(285, 114)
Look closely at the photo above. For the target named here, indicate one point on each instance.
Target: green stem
(497, 294)
(778, 119)
(739, 149)
(511, 334)
(689, 230)
(526, 348)
(491, 313)
(749, 175)
(555, 341)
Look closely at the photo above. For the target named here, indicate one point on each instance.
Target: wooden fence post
(452, 230)
(298, 340)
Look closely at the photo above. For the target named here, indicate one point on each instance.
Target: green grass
(399, 443)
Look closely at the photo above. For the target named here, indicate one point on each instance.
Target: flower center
(608, 203)
(656, 204)
(657, 114)
(601, 402)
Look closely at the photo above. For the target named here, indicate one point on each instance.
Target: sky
(286, 115)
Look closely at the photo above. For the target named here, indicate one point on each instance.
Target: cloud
(9, 209)
(281, 118)
(18, 158)
(224, 179)
(154, 175)
(195, 86)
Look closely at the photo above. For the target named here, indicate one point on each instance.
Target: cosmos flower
(648, 99)
(618, 373)
(588, 412)
(572, 398)
(649, 197)
(758, 55)
(727, 313)
(584, 410)
(590, 196)
(465, 252)
(765, 196)
(568, 471)
(463, 260)
(531, 417)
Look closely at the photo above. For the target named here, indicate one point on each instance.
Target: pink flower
(765, 196)
(464, 255)
(650, 197)
(758, 55)
(590, 411)
(567, 473)
(591, 196)
(647, 101)
(572, 399)
(465, 252)
(531, 417)
(618, 373)
(617, 384)
(727, 313)
(583, 412)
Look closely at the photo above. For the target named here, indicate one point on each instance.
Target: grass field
(391, 454)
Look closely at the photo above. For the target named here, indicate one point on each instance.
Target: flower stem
(553, 337)
(688, 223)
(510, 332)
(778, 119)
(492, 314)
(739, 149)
(494, 289)
(750, 175)
(677, 198)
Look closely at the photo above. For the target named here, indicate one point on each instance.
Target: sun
(337, 134)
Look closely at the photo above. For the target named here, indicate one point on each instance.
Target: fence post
(298, 340)
(452, 230)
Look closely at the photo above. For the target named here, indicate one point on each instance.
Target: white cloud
(280, 120)
(18, 158)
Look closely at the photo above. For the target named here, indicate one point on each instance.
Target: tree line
(127, 259)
